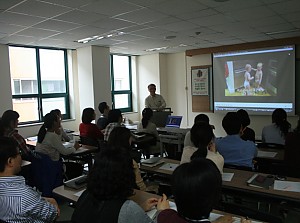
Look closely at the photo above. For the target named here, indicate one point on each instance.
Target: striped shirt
(20, 203)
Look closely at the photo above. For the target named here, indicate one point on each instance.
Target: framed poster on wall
(200, 80)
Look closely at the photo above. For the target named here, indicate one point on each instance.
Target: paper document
(169, 166)
(266, 154)
(152, 212)
(227, 176)
(78, 194)
(215, 216)
(287, 186)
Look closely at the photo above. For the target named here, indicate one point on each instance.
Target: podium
(159, 118)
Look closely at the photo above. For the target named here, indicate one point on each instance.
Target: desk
(238, 184)
(84, 151)
(278, 157)
(139, 197)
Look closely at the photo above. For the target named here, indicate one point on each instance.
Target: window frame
(39, 95)
(116, 92)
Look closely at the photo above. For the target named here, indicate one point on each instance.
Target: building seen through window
(38, 81)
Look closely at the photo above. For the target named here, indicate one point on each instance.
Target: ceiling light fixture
(165, 47)
(282, 31)
(94, 38)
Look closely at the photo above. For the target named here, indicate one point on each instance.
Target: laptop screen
(174, 121)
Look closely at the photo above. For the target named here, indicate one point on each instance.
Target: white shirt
(155, 102)
(216, 157)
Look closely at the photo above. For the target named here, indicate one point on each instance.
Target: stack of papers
(287, 186)
(169, 166)
(266, 154)
(227, 176)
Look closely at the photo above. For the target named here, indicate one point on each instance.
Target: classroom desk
(82, 153)
(279, 157)
(238, 183)
(139, 197)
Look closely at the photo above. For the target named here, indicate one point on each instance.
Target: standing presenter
(154, 101)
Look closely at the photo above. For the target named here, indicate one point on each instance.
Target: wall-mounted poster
(200, 80)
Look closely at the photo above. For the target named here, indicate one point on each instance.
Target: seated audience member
(19, 202)
(235, 150)
(277, 131)
(88, 129)
(202, 137)
(114, 119)
(198, 118)
(196, 188)
(146, 126)
(61, 130)
(292, 150)
(121, 137)
(246, 133)
(103, 120)
(110, 184)
(49, 142)
(9, 123)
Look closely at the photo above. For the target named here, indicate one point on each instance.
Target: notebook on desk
(77, 183)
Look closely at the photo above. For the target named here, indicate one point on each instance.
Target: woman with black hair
(277, 131)
(121, 137)
(61, 130)
(196, 188)
(202, 137)
(88, 129)
(8, 124)
(49, 142)
(148, 127)
(110, 184)
(246, 132)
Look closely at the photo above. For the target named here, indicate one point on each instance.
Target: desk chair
(89, 141)
(47, 174)
(176, 139)
(144, 142)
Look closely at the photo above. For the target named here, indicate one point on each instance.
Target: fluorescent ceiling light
(94, 38)
(283, 31)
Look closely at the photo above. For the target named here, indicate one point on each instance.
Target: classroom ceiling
(139, 27)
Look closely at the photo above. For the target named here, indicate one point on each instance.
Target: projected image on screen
(250, 78)
(258, 80)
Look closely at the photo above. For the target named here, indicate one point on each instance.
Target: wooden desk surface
(238, 182)
(84, 149)
(139, 197)
(278, 157)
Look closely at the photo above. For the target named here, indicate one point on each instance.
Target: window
(39, 82)
(121, 82)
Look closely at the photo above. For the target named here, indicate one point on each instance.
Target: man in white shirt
(154, 101)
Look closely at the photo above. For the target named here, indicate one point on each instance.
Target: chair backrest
(231, 166)
(269, 145)
(47, 174)
(89, 141)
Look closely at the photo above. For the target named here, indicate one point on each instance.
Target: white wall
(5, 84)
(148, 72)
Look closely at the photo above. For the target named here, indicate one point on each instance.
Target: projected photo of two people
(249, 78)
